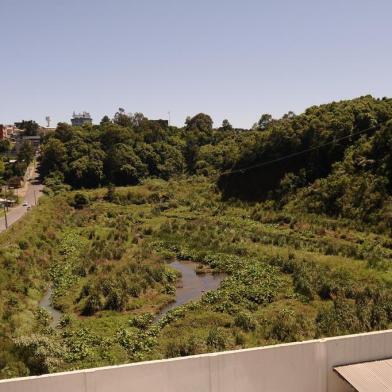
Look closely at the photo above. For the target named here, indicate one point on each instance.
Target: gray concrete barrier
(303, 367)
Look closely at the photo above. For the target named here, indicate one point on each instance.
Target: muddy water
(191, 286)
(46, 304)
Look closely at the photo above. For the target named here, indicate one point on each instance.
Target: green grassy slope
(290, 276)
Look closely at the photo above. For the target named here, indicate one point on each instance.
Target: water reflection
(191, 286)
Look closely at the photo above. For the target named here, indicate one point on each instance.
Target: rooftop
(368, 376)
(81, 115)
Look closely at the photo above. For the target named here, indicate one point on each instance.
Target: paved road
(17, 212)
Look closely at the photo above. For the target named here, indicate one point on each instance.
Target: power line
(294, 154)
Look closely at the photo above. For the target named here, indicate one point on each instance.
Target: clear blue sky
(230, 59)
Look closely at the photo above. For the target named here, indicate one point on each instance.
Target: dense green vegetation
(305, 242)
(336, 158)
(10, 170)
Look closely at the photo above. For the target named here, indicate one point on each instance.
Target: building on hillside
(43, 131)
(6, 202)
(3, 132)
(34, 140)
(15, 182)
(8, 131)
(160, 122)
(79, 119)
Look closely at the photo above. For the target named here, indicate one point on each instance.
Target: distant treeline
(333, 159)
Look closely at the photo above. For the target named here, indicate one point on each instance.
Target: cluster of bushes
(114, 287)
(369, 310)
(26, 255)
(9, 170)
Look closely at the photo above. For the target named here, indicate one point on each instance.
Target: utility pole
(35, 198)
(5, 209)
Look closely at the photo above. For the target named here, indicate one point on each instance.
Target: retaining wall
(296, 367)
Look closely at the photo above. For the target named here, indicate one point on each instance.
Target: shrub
(181, 347)
(288, 326)
(216, 339)
(92, 305)
(245, 321)
(23, 244)
(80, 200)
(142, 322)
(40, 353)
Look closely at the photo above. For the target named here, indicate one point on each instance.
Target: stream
(191, 286)
(46, 303)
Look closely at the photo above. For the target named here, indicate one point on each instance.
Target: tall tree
(264, 122)
(54, 157)
(198, 133)
(226, 126)
(123, 119)
(105, 120)
(30, 127)
(5, 146)
(26, 152)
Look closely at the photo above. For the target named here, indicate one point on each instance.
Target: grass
(289, 277)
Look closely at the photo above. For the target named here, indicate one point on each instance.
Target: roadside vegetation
(305, 248)
(13, 166)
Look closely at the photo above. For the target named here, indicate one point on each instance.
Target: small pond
(191, 286)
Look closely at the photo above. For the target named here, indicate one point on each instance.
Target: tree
(87, 169)
(201, 123)
(30, 127)
(137, 119)
(264, 122)
(226, 126)
(123, 119)
(105, 120)
(171, 160)
(198, 133)
(289, 115)
(114, 134)
(64, 132)
(54, 157)
(26, 152)
(5, 146)
(80, 200)
(123, 166)
(149, 156)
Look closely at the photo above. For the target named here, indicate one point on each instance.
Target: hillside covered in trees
(333, 159)
(294, 215)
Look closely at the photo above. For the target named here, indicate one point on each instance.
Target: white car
(25, 204)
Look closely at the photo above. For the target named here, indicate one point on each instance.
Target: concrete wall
(295, 367)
